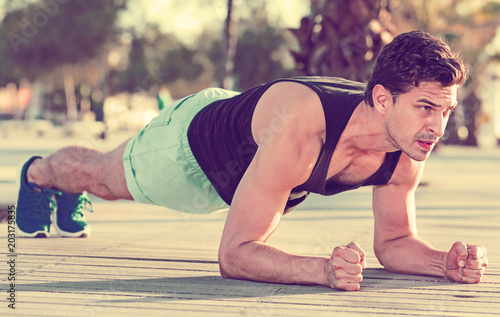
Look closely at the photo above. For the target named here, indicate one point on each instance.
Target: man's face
(418, 118)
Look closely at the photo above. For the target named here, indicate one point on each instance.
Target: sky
(188, 18)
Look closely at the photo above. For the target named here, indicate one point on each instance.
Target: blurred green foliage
(47, 34)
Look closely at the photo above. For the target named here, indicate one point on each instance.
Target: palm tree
(342, 37)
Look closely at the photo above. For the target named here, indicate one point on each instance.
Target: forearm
(411, 255)
(259, 262)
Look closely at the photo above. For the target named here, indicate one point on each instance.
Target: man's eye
(426, 108)
(448, 112)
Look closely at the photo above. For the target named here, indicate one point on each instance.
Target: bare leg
(75, 169)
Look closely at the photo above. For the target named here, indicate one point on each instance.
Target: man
(261, 152)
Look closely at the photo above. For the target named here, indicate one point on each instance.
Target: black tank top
(220, 137)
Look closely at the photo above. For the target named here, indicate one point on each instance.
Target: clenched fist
(343, 270)
(466, 263)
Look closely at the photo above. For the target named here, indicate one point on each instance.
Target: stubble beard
(407, 145)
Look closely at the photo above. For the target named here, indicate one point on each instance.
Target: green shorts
(160, 168)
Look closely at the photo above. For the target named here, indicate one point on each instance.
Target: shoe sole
(37, 234)
(20, 233)
(85, 233)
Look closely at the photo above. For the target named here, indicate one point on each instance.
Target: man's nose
(438, 125)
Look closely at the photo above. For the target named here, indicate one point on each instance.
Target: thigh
(159, 166)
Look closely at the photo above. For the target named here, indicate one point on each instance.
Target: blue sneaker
(69, 220)
(35, 205)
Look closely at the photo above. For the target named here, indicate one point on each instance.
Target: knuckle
(354, 245)
(338, 269)
(341, 284)
(471, 264)
(354, 287)
(336, 266)
(472, 253)
(359, 278)
(475, 280)
(358, 269)
(337, 262)
(472, 274)
(338, 250)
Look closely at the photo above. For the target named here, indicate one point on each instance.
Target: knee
(109, 193)
(72, 157)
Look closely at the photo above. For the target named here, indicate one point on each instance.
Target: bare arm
(285, 159)
(396, 243)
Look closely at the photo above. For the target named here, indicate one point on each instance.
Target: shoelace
(83, 203)
(39, 200)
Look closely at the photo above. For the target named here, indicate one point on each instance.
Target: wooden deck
(147, 261)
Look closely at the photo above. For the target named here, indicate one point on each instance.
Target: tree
(249, 50)
(155, 59)
(10, 72)
(230, 46)
(262, 50)
(468, 26)
(260, 53)
(60, 33)
(342, 37)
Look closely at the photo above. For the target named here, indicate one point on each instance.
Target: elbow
(379, 254)
(226, 264)
(388, 252)
(223, 268)
(233, 260)
(384, 253)
(384, 259)
(233, 264)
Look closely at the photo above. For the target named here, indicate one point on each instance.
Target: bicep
(255, 211)
(394, 203)
(263, 192)
(261, 196)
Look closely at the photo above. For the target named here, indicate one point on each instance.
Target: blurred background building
(112, 65)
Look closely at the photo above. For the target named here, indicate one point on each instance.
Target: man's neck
(366, 131)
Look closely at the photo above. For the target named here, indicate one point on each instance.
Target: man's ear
(382, 99)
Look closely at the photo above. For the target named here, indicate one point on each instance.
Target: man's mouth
(426, 144)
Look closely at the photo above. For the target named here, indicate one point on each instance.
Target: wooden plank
(145, 260)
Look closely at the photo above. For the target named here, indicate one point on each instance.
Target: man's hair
(412, 58)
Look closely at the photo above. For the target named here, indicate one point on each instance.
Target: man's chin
(419, 157)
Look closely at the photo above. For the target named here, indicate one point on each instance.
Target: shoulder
(290, 92)
(288, 125)
(288, 105)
